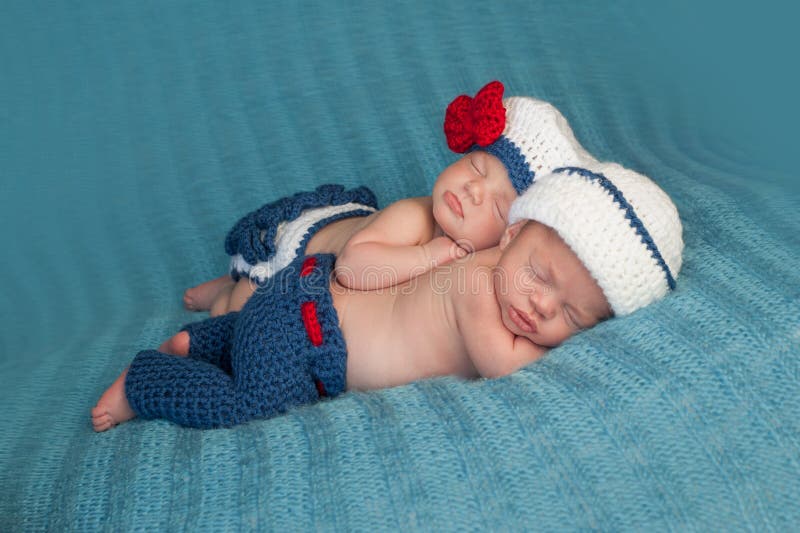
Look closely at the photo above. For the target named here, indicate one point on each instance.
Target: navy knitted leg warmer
(194, 393)
(286, 350)
(211, 339)
(186, 391)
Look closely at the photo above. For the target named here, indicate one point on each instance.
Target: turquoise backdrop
(133, 134)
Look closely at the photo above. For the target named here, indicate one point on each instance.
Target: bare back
(333, 237)
(415, 213)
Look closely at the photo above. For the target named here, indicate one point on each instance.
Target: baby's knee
(178, 344)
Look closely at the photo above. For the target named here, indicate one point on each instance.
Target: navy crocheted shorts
(266, 240)
(283, 349)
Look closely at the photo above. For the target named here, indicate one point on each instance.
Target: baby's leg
(201, 298)
(266, 376)
(242, 292)
(260, 379)
(220, 304)
(178, 344)
(206, 339)
(184, 390)
(209, 340)
(196, 394)
(112, 408)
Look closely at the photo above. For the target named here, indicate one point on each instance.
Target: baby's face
(544, 291)
(471, 199)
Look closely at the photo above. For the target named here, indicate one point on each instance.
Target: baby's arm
(395, 247)
(492, 348)
(502, 355)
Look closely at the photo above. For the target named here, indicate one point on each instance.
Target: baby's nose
(475, 191)
(542, 301)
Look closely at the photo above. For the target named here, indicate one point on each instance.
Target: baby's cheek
(498, 225)
(490, 234)
(568, 331)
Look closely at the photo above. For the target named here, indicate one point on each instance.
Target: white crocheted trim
(288, 237)
(543, 135)
(594, 226)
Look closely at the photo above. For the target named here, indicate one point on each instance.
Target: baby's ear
(511, 232)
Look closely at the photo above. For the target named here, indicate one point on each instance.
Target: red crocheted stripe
(308, 310)
(308, 266)
(320, 388)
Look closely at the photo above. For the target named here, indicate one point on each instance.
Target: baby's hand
(443, 250)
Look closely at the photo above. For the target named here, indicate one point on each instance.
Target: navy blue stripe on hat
(630, 214)
(519, 172)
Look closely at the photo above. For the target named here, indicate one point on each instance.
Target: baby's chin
(454, 229)
(442, 221)
(510, 326)
(451, 231)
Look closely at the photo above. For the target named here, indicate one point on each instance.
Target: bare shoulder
(408, 221)
(417, 209)
(473, 278)
(473, 294)
(492, 348)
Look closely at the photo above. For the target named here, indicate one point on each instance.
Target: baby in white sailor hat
(600, 240)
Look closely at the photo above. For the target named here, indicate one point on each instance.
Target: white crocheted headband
(531, 137)
(620, 224)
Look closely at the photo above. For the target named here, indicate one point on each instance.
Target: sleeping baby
(584, 244)
(509, 142)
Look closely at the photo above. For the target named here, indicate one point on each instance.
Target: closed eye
(475, 166)
(499, 211)
(571, 319)
(540, 275)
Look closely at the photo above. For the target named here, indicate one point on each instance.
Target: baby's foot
(201, 297)
(178, 344)
(112, 408)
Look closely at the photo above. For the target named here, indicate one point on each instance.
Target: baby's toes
(188, 300)
(101, 419)
(103, 422)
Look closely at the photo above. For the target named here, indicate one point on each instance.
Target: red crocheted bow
(480, 120)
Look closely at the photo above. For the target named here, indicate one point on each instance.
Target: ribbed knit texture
(278, 352)
(537, 140)
(132, 135)
(255, 240)
(622, 226)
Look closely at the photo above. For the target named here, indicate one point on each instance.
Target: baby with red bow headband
(506, 142)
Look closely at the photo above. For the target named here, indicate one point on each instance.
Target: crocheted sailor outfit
(283, 349)
(266, 240)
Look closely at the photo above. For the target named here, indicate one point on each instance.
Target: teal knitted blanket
(133, 134)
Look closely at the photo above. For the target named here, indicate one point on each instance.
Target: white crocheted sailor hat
(620, 224)
(531, 137)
